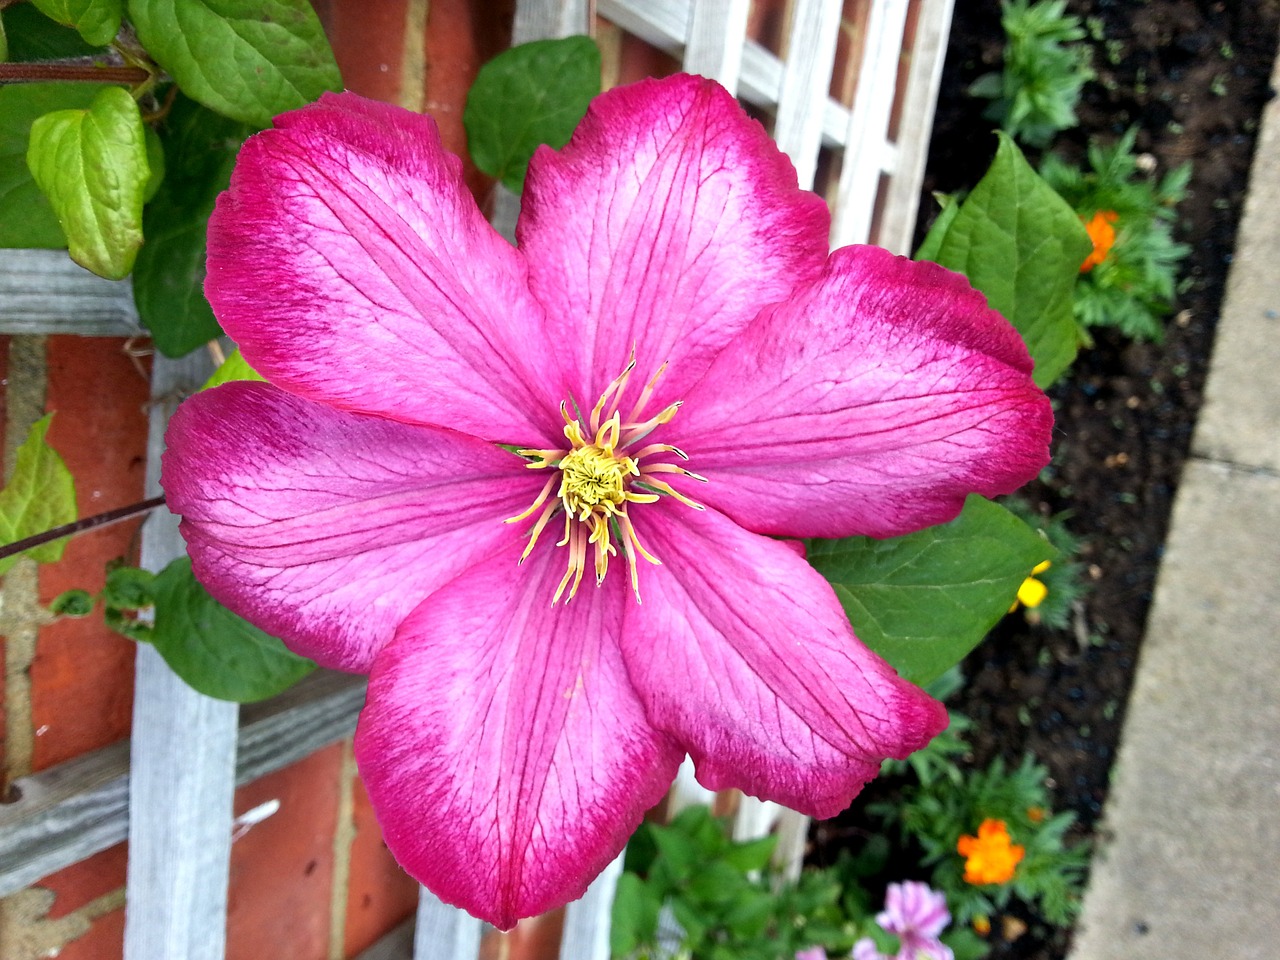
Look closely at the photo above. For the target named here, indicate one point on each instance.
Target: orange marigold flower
(990, 857)
(1103, 235)
(981, 925)
(1036, 814)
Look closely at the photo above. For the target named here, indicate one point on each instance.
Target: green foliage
(1064, 579)
(168, 279)
(924, 600)
(39, 496)
(721, 897)
(532, 94)
(1044, 70)
(936, 814)
(1134, 287)
(72, 603)
(97, 21)
(26, 217)
(92, 165)
(235, 367)
(214, 651)
(33, 36)
(246, 59)
(1022, 245)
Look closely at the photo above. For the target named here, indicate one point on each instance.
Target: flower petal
(503, 747)
(742, 652)
(667, 222)
(872, 403)
(352, 267)
(327, 528)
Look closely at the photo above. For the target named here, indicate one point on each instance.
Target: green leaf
(200, 149)
(72, 603)
(235, 367)
(246, 59)
(924, 600)
(40, 495)
(97, 21)
(532, 94)
(33, 36)
(4, 42)
(634, 921)
(941, 224)
(212, 649)
(128, 588)
(1021, 244)
(26, 218)
(751, 854)
(92, 165)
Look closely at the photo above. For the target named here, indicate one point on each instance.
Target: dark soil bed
(1194, 76)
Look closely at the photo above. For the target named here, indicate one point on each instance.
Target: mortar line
(19, 597)
(413, 56)
(344, 835)
(1253, 470)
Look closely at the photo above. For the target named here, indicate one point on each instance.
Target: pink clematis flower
(468, 469)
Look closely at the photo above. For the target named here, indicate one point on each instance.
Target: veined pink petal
(870, 403)
(352, 267)
(667, 222)
(327, 528)
(503, 747)
(742, 652)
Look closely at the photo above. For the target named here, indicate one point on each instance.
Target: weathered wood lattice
(170, 790)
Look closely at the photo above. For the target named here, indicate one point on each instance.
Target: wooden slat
(444, 932)
(183, 757)
(665, 25)
(717, 31)
(902, 202)
(43, 291)
(586, 921)
(869, 123)
(81, 807)
(806, 76)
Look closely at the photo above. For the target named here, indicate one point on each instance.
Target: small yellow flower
(1103, 235)
(1032, 592)
(981, 925)
(990, 857)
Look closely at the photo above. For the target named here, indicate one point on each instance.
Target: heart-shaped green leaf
(92, 165)
(39, 496)
(213, 650)
(924, 600)
(97, 21)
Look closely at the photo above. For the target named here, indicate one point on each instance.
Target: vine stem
(42, 72)
(80, 526)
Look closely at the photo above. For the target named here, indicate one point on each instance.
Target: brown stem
(91, 72)
(80, 526)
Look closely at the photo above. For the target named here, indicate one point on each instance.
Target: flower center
(591, 477)
(604, 471)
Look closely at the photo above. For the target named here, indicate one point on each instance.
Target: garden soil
(1193, 75)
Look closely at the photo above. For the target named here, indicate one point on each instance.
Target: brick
(367, 41)
(104, 940)
(379, 894)
(87, 880)
(767, 24)
(282, 867)
(537, 938)
(850, 44)
(637, 60)
(460, 37)
(904, 67)
(82, 675)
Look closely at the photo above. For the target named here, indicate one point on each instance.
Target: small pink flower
(812, 953)
(916, 915)
(671, 297)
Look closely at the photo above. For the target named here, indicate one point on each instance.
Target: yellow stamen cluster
(600, 475)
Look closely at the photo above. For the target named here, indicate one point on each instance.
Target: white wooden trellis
(188, 752)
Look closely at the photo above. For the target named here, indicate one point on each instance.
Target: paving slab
(1188, 865)
(1240, 420)
(1191, 867)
